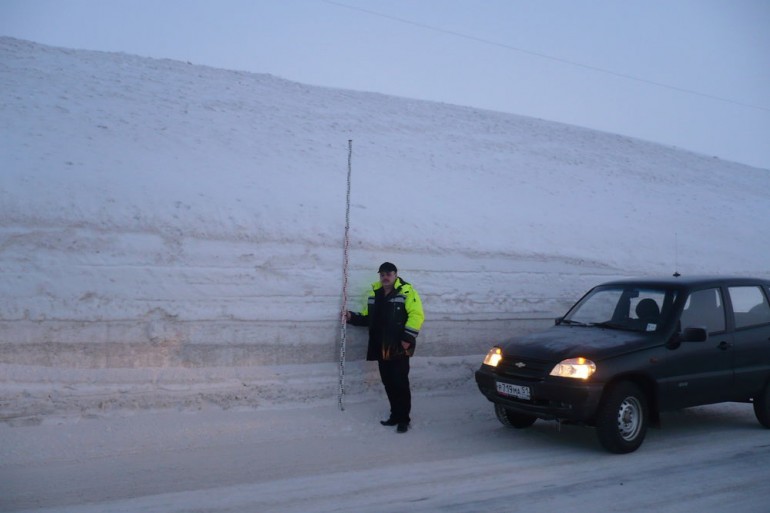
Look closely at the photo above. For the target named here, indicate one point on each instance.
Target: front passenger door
(700, 372)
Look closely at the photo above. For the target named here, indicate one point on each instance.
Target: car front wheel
(511, 418)
(762, 406)
(621, 421)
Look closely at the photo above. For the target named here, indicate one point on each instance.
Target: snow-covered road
(315, 458)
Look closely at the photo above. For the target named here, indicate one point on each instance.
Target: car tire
(622, 418)
(513, 419)
(762, 406)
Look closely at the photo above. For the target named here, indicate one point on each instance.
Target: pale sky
(694, 74)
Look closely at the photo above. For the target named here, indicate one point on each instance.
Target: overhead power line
(546, 56)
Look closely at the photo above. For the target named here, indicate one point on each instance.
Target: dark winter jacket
(391, 319)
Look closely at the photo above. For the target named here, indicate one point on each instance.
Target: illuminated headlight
(493, 357)
(574, 368)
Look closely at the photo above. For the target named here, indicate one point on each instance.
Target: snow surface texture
(456, 458)
(172, 234)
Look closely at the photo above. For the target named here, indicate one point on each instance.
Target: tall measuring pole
(343, 312)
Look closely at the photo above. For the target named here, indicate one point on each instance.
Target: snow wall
(156, 215)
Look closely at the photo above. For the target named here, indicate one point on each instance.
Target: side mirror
(694, 335)
(558, 320)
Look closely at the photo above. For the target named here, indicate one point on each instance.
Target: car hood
(560, 342)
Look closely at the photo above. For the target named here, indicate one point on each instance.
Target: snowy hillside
(166, 221)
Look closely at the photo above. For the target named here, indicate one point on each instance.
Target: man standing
(394, 315)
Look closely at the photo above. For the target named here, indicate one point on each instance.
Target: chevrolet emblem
(520, 364)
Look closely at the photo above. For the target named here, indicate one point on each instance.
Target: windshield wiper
(572, 323)
(613, 326)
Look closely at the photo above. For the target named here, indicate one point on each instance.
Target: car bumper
(556, 399)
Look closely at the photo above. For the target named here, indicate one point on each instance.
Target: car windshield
(633, 308)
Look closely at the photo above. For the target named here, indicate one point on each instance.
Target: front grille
(524, 368)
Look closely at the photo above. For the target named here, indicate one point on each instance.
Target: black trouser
(395, 377)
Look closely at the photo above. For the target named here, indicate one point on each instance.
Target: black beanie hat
(387, 267)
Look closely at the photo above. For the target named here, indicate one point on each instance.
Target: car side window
(704, 308)
(750, 306)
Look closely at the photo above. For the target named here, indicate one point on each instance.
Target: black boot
(389, 422)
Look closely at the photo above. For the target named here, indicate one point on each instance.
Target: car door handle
(724, 346)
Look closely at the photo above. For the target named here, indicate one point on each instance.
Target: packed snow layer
(160, 216)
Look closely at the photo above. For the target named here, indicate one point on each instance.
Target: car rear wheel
(622, 419)
(513, 419)
(762, 406)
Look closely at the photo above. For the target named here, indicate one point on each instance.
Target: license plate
(517, 391)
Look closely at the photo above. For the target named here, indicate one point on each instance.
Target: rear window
(750, 306)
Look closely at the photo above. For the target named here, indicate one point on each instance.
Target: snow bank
(32, 393)
(158, 217)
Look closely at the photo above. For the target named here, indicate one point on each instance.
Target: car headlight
(493, 357)
(574, 368)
